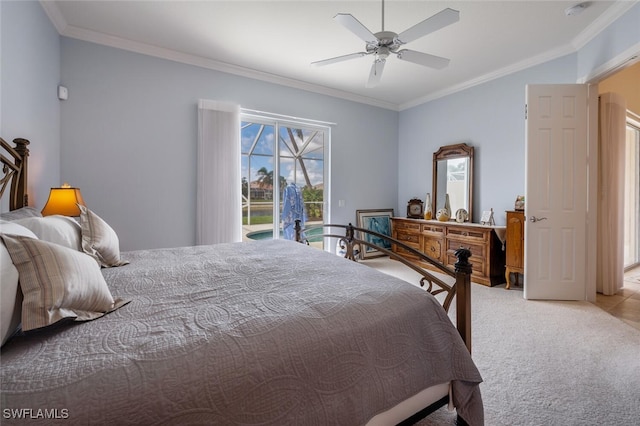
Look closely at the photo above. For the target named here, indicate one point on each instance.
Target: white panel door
(556, 192)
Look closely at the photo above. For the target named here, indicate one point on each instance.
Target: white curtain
(218, 192)
(611, 148)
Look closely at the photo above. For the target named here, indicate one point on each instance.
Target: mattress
(256, 333)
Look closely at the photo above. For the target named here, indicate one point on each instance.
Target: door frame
(592, 195)
(617, 63)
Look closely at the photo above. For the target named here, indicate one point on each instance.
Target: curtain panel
(218, 192)
(611, 151)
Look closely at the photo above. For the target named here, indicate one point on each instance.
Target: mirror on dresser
(453, 175)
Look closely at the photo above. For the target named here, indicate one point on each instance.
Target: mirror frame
(447, 152)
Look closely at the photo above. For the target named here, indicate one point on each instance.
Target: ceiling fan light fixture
(382, 53)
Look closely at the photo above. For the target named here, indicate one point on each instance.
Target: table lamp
(63, 201)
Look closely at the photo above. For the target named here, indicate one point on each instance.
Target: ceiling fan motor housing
(387, 41)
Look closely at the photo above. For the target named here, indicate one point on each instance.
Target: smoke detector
(576, 9)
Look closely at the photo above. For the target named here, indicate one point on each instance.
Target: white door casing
(556, 184)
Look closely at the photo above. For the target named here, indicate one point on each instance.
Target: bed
(267, 332)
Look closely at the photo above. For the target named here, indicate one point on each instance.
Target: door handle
(536, 219)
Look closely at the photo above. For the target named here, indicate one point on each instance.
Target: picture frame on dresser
(376, 220)
(487, 218)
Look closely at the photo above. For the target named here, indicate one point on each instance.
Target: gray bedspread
(259, 333)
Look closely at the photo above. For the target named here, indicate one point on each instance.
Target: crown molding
(502, 72)
(66, 30)
(55, 16)
(624, 59)
(609, 16)
(185, 58)
(619, 8)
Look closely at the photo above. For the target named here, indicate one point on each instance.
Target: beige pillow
(57, 283)
(99, 240)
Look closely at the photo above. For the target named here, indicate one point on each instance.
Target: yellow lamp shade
(63, 201)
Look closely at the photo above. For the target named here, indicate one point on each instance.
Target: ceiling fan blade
(425, 59)
(352, 24)
(338, 59)
(439, 20)
(376, 72)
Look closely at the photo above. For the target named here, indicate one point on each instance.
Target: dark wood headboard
(14, 172)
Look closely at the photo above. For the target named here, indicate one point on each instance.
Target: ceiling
(277, 40)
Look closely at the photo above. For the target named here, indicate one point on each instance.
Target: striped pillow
(99, 240)
(57, 283)
(10, 294)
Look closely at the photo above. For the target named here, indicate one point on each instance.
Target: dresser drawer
(409, 238)
(404, 252)
(399, 225)
(433, 247)
(468, 234)
(477, 250)
(433, 230)
(478, 265)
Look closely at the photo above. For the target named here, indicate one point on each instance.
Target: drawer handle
(465, 234)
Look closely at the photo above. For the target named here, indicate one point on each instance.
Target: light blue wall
(614, 40)
(129, 132)
(491, 118)
(29, 107)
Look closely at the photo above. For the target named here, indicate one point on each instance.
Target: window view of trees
(297, 153)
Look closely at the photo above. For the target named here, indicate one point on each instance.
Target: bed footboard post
(463, 295)
(348, 240)
(297, 229)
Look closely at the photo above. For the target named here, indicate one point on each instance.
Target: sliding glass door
(277, 154)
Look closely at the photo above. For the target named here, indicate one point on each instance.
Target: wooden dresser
(440, 240)
(514, 259)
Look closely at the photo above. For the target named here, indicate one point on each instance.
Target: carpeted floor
(547, 362)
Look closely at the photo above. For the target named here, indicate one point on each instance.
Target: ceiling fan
(384, 43)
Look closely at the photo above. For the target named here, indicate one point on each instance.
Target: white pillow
(58, 283)
(14, 228)
(20, 213)
(56, 229)
(10, 294)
